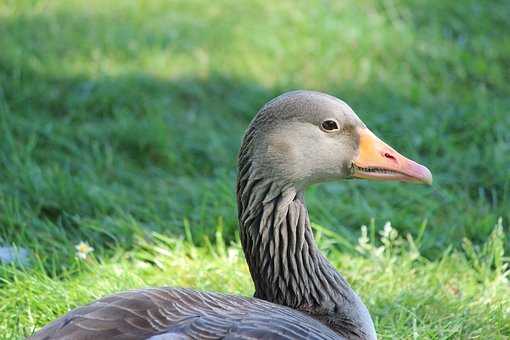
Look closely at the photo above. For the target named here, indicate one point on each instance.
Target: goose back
(180, 313)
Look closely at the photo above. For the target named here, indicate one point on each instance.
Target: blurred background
(121, 119)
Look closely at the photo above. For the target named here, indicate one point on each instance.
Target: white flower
(364, 245)
(387, 230)
(389, 235)
(83, 249)
(232, 254)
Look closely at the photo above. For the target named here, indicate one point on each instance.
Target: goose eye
(329, 125)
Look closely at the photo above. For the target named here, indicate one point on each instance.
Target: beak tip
(428, 181)
(427, 178)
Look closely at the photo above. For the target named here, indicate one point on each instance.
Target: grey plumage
(298, 293)
(179, 313)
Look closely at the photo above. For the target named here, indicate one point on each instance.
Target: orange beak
(379, 161)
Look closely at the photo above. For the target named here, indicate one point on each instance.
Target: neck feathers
(285, 263)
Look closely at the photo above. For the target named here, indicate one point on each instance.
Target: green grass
(120, 122)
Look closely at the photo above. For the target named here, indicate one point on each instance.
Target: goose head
(306, 137)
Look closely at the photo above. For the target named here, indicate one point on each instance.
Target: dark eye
(329, 125)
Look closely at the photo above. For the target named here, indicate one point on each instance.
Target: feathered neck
(285, 264)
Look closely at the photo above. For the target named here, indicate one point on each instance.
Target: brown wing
(179, 313)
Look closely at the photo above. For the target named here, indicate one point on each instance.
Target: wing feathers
(178, 313)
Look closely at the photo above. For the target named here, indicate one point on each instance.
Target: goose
(295, 140)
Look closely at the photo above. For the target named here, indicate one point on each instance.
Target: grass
(120, 122)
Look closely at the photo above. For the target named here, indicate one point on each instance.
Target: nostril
(389, 156)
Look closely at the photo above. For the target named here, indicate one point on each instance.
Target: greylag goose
(295, 140)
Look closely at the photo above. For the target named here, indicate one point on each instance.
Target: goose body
(295, 140)
(179, 313)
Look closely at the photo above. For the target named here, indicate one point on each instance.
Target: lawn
(120, 122)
